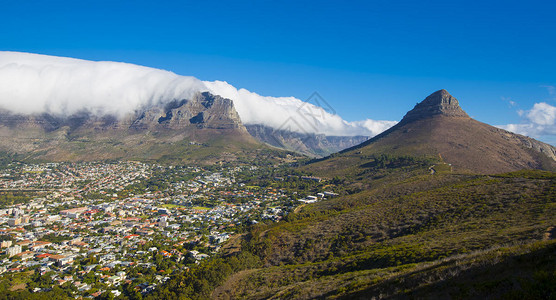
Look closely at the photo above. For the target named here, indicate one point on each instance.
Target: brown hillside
(438, 128)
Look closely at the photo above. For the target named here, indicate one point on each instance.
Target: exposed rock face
(314, 145)
(438, 127)
(147, 133)
(204, 110)
(438, 103)
(530, 143)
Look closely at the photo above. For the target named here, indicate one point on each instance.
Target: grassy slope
(406, 229)
(518, 272)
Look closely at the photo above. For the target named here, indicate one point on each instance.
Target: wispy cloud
(509, 100)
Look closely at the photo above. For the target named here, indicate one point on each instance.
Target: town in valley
(125, 227)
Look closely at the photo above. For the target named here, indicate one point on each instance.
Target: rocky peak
(438, 103)
(203, 110)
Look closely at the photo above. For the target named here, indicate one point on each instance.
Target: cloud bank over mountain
(33, 84)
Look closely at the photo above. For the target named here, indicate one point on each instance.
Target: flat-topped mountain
(439, 128)
(203, 126)
(203, 110)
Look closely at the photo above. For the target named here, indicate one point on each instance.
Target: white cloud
(538, 121)
(374, 126)
(32, 83)
(542, 114)
(292, 113)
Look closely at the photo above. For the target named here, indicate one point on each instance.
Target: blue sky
(368, 59)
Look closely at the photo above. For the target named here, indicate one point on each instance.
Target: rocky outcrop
(438, 103)
(314, 145)
(204, 110)
(529, 143)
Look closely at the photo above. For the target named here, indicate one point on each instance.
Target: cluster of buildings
(105, 220)
(68, 176)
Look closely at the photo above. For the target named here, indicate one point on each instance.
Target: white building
(163, 222)
(11, 251)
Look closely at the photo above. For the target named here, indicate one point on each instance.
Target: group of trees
(8, 198)
(199, 281)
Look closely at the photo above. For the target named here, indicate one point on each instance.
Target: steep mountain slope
(438, 128)
(313, 145)
(205, 128)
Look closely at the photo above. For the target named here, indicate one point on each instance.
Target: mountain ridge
(438, 127)
(179, 118)
(153, 133)
(312, 145)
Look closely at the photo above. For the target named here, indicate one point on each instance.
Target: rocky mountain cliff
(150, 133)
(438, 128)
(204, 110)
(438, 103)
(313, 145)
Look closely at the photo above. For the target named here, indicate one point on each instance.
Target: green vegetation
(201, 208)
(54, 238)
(199, 282)
(6, 159)
(397, 229)
(16, 286)
(8, 198)
(489, 273)
(171, 205)
(406, 234)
